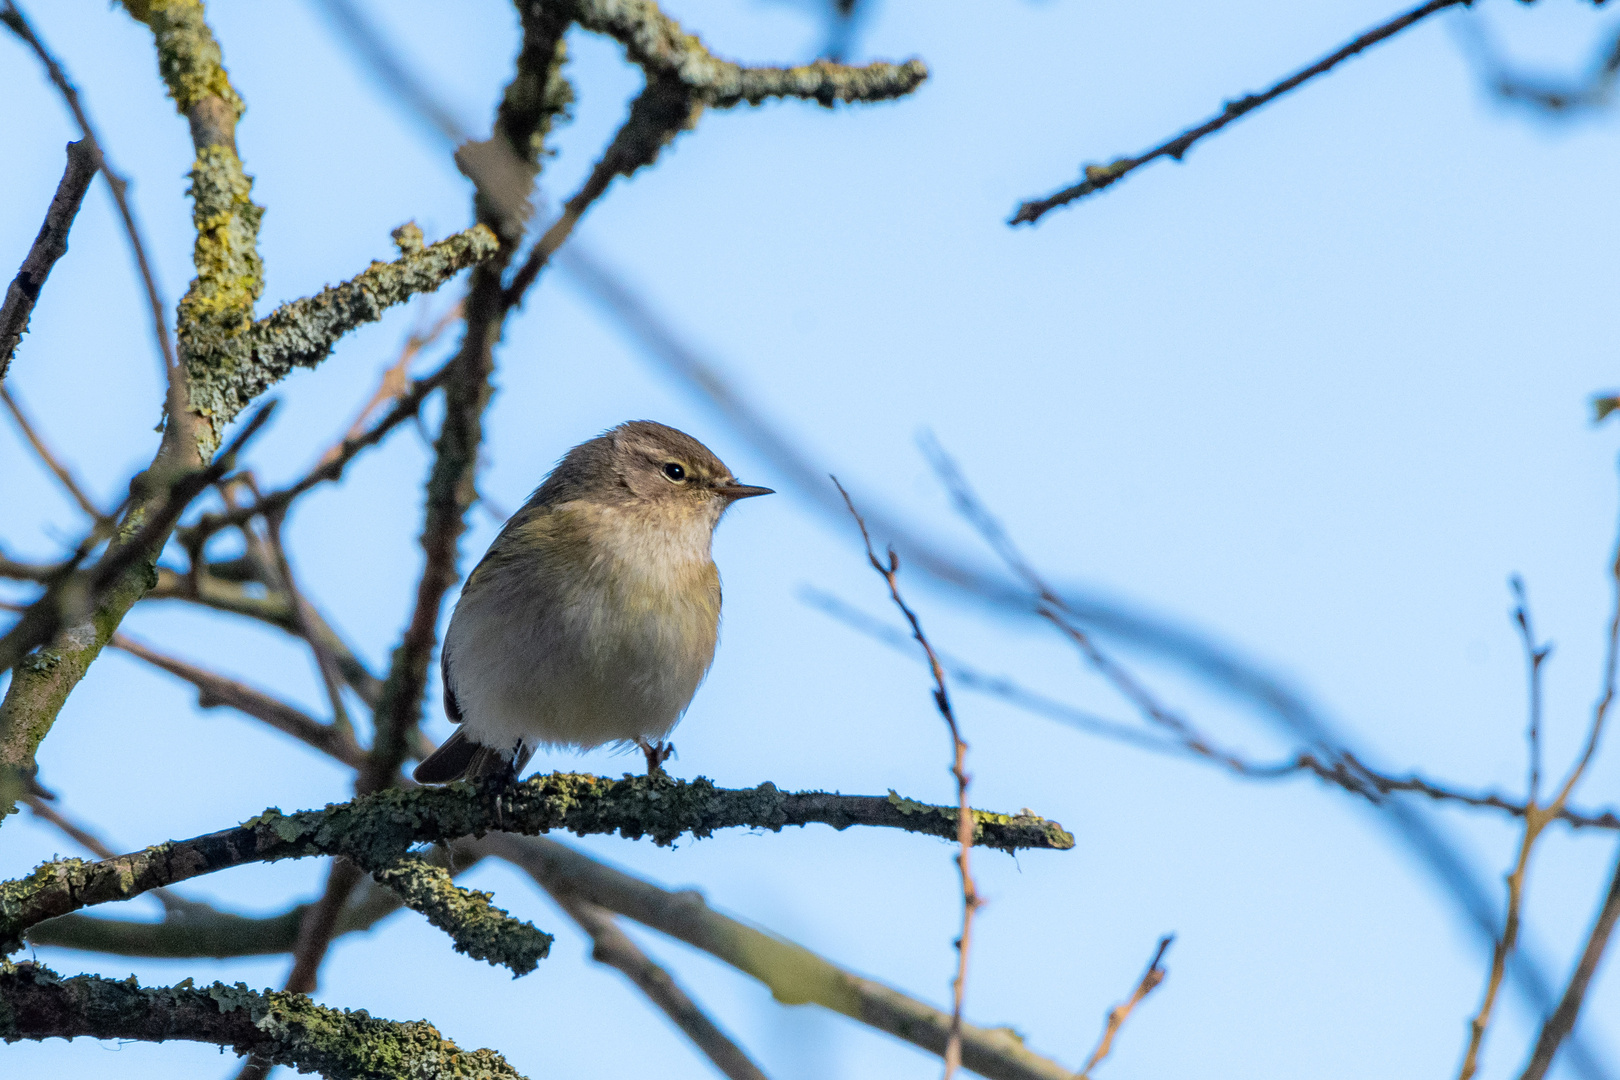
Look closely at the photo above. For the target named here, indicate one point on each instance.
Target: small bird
(593, 617)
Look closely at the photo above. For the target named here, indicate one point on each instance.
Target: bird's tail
(460, 758)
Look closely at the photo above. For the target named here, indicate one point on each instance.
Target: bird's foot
(657, 753)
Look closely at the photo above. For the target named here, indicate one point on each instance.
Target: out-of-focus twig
(49, 245)
(42, 450)
(794, 974)
(1548, 96)
(1098, 177)
(613, 947)
(1538, 816)
(214, 690)
(1562, 1021)
(971, 901)
(1151, 978)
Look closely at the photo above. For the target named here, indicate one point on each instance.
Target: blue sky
(1317, 392)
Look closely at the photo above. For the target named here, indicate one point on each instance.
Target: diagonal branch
(793, 974)
(1562, 1021)
(42, 450)
(613, 947)
(49, 245)
(1151, 978)
(282, 1028)
(215, 690)
(1098, 177)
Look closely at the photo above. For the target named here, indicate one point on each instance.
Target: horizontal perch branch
(284, 1029)
(375, 830)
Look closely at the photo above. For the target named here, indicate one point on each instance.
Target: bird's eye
(674, 471)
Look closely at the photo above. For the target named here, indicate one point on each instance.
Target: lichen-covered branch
(477, 927)
(658, 44)
(374, 830)
(285, 1029)
(49, 245)
(794, 974)
(301, 333)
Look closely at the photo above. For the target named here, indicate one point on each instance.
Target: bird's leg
(657, 753)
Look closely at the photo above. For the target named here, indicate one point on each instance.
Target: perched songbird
(593, 617)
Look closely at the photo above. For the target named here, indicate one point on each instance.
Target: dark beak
(741, 491)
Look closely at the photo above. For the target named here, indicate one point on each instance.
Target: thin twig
(49, 245)
(1562, 1021)
(42, 449)
(1536, 819)
(1098, 177)
(1535, 655)
(118, 185)
(74, 595)
(1151, 978)
(214, 690)
(971, 900)
(613, 947)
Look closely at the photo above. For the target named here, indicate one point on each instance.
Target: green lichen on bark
(476, 927)
(281, 1028)
(661, 47)
(189, 58)
(217, 311)
(374, 830)
(302, 333)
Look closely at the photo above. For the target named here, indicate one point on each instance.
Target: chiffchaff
(594, 615)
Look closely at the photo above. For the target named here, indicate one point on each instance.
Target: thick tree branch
(374, 830)
(285, 1029)
(1098, 177)
(49, 245)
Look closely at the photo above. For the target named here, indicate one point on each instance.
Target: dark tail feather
(462, 759)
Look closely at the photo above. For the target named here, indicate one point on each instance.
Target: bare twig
(1535, 655)
(42, 449)
(1098, 177)
(1536, 818)
(49, 245)
(613, 947)
(214, 690)
(75, 595)
(320, 923)
(1151, 978)
(971, 900)
(118, 185)
(794, 974)
(1562, 1021)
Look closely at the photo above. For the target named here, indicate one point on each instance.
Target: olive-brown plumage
(594, 615)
